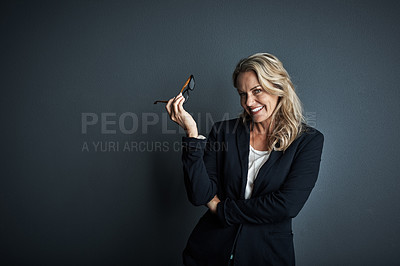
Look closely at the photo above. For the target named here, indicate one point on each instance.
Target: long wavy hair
(287, 118)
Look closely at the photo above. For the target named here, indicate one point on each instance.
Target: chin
(259, 119)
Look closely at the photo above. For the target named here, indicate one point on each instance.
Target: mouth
(256, 110)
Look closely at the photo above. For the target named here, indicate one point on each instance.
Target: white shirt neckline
(256, 161)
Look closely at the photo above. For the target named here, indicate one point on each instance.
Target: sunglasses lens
(191, 83)
(185, 94)
(189, 86)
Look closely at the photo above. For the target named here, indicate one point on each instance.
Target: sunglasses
(188, 86)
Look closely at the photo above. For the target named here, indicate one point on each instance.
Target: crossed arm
(201, 184)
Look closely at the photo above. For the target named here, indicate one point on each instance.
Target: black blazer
(255, 231)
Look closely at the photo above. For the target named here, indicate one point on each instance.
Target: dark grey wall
(62, 204)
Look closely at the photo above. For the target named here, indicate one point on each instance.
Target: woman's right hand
(179, 115)
(212, 205)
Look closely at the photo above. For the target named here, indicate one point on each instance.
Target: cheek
(276, 100)
(273, 101)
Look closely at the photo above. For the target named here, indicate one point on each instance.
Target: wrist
(215, 209)
(192, 133)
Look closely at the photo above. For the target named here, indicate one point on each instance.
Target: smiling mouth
(256, 110)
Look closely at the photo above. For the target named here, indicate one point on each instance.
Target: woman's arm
(285, 202)
(200, 177)
(199, 161)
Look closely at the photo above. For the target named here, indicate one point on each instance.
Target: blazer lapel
(243, 145)
(273, 157)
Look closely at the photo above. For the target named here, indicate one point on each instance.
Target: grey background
(62, 205)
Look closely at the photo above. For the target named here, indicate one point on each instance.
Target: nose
(250, 100)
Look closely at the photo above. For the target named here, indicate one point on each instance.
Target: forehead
(247, 79)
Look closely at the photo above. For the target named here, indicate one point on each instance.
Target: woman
(260, 180)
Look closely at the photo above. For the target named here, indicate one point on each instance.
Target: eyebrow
(255, 87)
(251, 88)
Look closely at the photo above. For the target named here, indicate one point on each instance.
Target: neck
(264, 127)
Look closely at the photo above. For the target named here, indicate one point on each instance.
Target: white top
(256, 161)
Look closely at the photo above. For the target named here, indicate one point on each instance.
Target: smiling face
(256, 101)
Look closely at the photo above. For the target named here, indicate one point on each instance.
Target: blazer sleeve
(199, 161)
(285, 202)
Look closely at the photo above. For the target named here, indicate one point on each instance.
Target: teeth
(256, 109)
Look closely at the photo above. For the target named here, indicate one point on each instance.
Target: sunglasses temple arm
(184, 86)
(160, 102)
(186, 83)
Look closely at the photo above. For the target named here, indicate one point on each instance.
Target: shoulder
(310, 132)
(309, 136)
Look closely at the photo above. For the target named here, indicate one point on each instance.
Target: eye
(256, 91)
(242, 94)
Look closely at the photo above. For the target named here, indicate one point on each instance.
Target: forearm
(200, 182)
(272, 208)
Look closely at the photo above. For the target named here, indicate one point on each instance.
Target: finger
(175, 106)
(176, 101)
(177, 96)
(180, 104)
(168, 105)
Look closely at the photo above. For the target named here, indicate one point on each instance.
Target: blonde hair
(287, 117)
